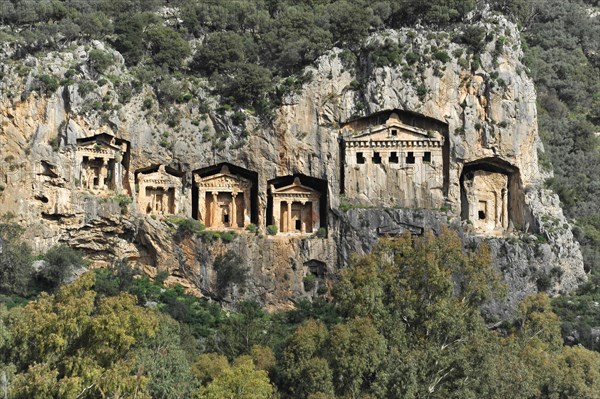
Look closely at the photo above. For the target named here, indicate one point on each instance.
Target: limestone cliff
(487, 111)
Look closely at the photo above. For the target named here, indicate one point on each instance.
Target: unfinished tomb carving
(492, 197)
(395, 159)
(296, 208)
(224, 199)
(486, 195)
(158, 192)
(99, 163)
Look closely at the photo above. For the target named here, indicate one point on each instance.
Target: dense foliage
(250, 52)
(405, 322)
(247, 47)
(562, 50)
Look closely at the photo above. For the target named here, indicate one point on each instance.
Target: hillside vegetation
(405, 323)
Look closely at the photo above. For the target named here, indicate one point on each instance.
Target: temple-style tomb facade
(224, 199)
(296, 208)
(393, 161)
(486, 200)
(99, 163)
(158, 192)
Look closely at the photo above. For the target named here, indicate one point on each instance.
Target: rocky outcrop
(487, 103)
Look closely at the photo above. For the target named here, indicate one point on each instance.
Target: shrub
(272, 229)
(147, 104)
(100, 60)
(228, 236)
(123, 200)
(188, 225)
(60, 262)
(238, 118)
(84, 88)
(321, 233)
(252, 228)
(411, 58)
(54, 143)
(309, 282)
(441, 56)
(48, 84)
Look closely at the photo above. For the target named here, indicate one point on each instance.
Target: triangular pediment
(103, 141)
(97, 146)
(162, 176)
(295, 188)
(393, 131)
(224, 177)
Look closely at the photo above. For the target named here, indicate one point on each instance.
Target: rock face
(472, 164)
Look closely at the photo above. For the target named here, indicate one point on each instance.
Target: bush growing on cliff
(59, 264)
(188, 225)
(100, 60)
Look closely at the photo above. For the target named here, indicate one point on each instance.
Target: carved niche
(99, 163)
(158, 192)
(224, 200)
(296, 208)
(394, 163)
(486, 196)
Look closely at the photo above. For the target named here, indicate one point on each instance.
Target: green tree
(16, 269)
(357, 351)
(218, 52)
(69, 344)
(349, 22)
(129, 30)
(100, 60)
(304, 371)
(165, 362)
(167, 47)
(60, 262)
(240, 381)
(208, 366)
(238, 333)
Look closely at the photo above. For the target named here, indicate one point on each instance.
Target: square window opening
(360, 159)
(298, 225)
(394, 132)
(394, 157)
(376, 158)
(410, 158)
(427, 157)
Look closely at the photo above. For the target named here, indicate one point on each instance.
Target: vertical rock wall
(489, 110)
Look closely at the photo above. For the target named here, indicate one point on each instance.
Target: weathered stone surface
(491, 124)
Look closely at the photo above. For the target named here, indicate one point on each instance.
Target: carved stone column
(102, 174)
(165, 202)
(504, 208)
(153, 199)
(213, 210)
(289, 216)
(276, 213)
(233, 211)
